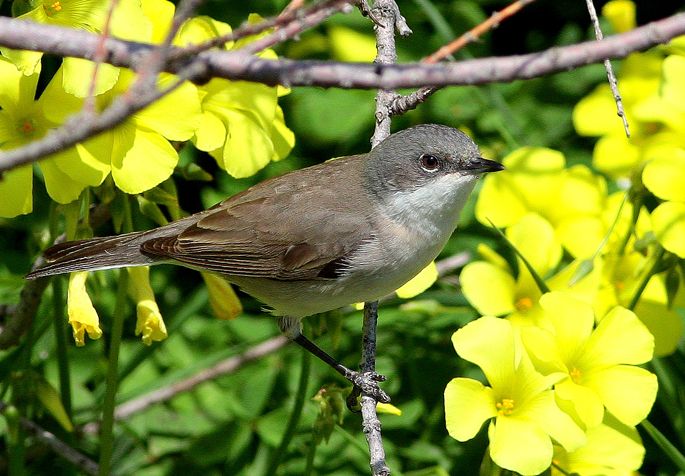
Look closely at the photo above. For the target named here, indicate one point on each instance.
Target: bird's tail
(93, 254)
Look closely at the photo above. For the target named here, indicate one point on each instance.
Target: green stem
(311, 453)
(666, 446)
(107, 427)
(61, 341)
(112, 380)
(645, 279)
(294, 416)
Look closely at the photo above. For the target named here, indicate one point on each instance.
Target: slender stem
(645, 279)
(112, 380)
(311, 453)
(294, 416)
(666, 446)
(107, 427)
(61, 341)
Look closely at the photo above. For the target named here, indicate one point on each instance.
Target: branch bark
(239, 65)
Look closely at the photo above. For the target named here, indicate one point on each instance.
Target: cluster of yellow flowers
(240, 124)
(598, 282)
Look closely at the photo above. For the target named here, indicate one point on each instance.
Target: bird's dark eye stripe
(429, 163)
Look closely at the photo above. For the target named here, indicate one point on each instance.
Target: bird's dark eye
(429, 163)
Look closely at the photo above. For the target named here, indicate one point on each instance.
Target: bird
(351, 229)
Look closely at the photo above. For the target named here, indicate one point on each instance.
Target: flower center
(524, 303)
(576, 374)
(53, 8)
(505, 406)
(26, 127)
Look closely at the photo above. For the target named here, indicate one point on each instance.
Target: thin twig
(286, 17)
(387, 18)
(60, 448)
(411, 101)
(613, 82)
(163, 394)
(304, 21)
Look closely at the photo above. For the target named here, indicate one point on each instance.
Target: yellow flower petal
(543, 410)
(490, 343)
(488, 288)
(668, 221)
(82, 315)
(78, 74)
(351, 45)
(664, 324)
(16, 190)
(664, 175)
(520, 446)
(612, 449)
(583, 402)
(150, 160)
(222, 298)
(572, 320)
(627, 392)
(61, 187)
(615, 155)
(620, 338)
(176, 116)
(419, 283)
(544, 251)
(468, 403)
(388, 409)
(211, 133)
(621, 15)
(248, 148)
(149, 320)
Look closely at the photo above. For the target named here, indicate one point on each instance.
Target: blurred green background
(233, 425)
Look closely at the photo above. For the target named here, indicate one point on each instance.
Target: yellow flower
(242, 125)
(137, 152)
(621, 15)
(524, 418)
(490, 286)
(612, 449)
(222, 298)
(572, 199)
(149, 324)
(82, 315)
(600, 364)
(419, 283)
(621, 277)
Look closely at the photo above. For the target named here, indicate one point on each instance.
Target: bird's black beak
(479, 165)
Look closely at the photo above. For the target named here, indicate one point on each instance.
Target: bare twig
(307, 19)
(224, 367)
(613, 82)
(387, 18)
(410, 101)
(237, 65)
(288, 16)
(81, 461)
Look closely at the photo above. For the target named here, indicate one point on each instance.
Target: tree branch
(224, 367)
(238, 65)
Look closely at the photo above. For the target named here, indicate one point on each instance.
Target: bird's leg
(366, 382)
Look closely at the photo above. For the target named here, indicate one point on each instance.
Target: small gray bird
(349, 230)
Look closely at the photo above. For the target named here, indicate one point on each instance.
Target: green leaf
(49, 397)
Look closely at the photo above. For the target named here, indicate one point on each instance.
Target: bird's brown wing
(289, 230)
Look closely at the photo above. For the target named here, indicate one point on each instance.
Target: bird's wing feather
(268, 231)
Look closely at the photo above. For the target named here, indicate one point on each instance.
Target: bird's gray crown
(396, 163)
